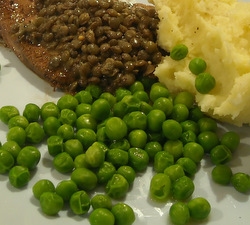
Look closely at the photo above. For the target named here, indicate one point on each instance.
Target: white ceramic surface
(19, 86)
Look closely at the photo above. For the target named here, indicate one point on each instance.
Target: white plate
(19, 86)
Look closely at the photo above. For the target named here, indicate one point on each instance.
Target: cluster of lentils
(106, 42)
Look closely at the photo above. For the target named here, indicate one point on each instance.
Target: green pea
(179, 52)
(147, 82)
(131, 103)
(79, 202)
(7, 112)
(67, 102)
(138, 159)
(41, 187)
(197, 66)
(188, 165)
(231, 140)
(204, 83)
(51, 125)
(109, 97)
(136, 86)
(136, 120)
(120, 109)
(66, 189)
(145, 107)
(128, 172)
(19, 176)
(222, 174)
(195, 114)
(137, 138)
(183, 188)
(84, 178)
(18, 135)
(162, 160)
(86, 136)
(84, 96)
(207, 124)
(101, 201)
(94, 90)
(164, 104)
(179, 213)
(101, 135)
(174, 147)
(29, 157)
(220, 154)
(73, 147)
(158, 91)
(12, 147)
(171, 129)
(188, 136)
(160, 187)
(123, 213)
(174, 172)
(199, 208)
(66, 131)
(155, 118)
(101, 216)
(67, 116)
(122, 144)
(6, 161)
(105, 172)
(32, 112)
(63, 162)
(193, 151)
(141, 95)
(95, 155)
(190, 125)
(100, 109)
(156, 136)
(55, 145)
(208, 140)
(83, 108)
(80, 161)
(117, 157)
(117, 187)
(152, 148)
(19, 121)
(186, 98)
(49, 109)
(116, 128)
(34, 133)
(51, 203)
(86, 121)
(120, 93)
(180, 112)
(241, 182)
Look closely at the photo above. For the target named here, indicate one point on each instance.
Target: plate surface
(19, 86)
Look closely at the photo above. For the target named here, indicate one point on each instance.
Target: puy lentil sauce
(106, 42)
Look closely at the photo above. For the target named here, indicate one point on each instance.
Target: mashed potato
(219, 32)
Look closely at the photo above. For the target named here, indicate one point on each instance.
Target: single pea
(66, 188)
(207, 124)
(179, 52)
(101, 201)
(7, 112)
(120, 93)
(123, 213)
(73, 147)
(186, 98)
(204, 83)
(222, 174)
(128, 172)
(117, 187)
(19, 176)
(137, 138)
(42, 186)
(188, 136)
(195, 114)
(193, 151)
(95, 155)
(180, 112)
(79, 202)
(83, 108)
(12, 147)
(152, 148)
(18, 135)
(179, 213)
(109, 97)
(32, 112)
(67, 116)
(63, 162)
(138, 159)
(29, 157)
(241, 182)
(120, 109)
(66, 131)
(101, 135)
(122, 144)
(51, 125)
(136, 120)
(19, 121)
(171, 129)
(141, 95)
(94, 90)
(131, 103)
(164, 104)
(183, 188)
(145, 107)
(80, 161)
(86, 136)
(199, 208)
(136, 86)
(190, 125)
(117, 157)
(231, 140)
(197, 65)
(101, 216)
(158, 91)
(6, 161)
(208, 140)
(188, 165)
(100, 109)
(84, 178)
(220, 154)
(34, 133)
(160, 187)
(174, 172)
(51, 203)
(49, 109)
(105, 172)
(116, 128)
(67, 102)
(162, 160)
(55, 145)
(174, 147)
(155, 118)
(84, 97)
(86, 121)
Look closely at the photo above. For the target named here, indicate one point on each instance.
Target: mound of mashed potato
(219, 32)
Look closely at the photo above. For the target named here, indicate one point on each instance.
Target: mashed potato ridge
(219, 32)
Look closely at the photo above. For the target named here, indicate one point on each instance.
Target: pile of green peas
(104, 139)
